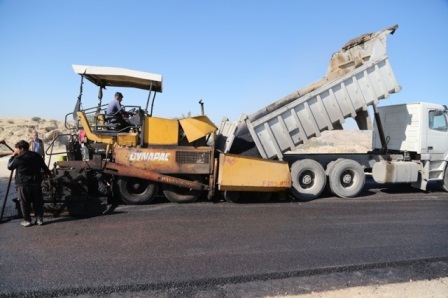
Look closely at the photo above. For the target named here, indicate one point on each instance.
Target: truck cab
(417, 132)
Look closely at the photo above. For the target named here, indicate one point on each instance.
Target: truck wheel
(328, 170)
(346, 178)
(177, 194)
(232, 196)
(135, 191)
(445, 180)
(308, 179)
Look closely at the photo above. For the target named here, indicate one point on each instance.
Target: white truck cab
(418, 133)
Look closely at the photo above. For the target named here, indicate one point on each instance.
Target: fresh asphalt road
(165, 245)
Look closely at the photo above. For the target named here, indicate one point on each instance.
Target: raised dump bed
(358, 76)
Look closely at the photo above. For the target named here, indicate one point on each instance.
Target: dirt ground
(437, 288)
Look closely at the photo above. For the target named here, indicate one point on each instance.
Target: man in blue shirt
(115, 113)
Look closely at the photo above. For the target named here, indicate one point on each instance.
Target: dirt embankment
(13, 130)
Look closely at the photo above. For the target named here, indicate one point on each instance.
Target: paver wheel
(136, 191)
(177, 194)
(232, 196)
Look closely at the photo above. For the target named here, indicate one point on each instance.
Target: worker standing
(37, 145)
(28, 166)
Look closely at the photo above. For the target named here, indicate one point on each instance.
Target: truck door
(437, 133)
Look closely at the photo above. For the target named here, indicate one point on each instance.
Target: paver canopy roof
(120, 77)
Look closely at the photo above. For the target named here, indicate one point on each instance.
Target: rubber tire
(307, 168)
(177, 194)
(145, 191)
(328, 169)
(232, 196)
(339, 170)
(445, 180)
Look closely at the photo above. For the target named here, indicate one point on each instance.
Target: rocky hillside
(13, 130)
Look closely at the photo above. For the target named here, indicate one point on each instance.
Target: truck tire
(136, 191)
(328, 170)
(346, 178)
(308, 179)
(445, 180)
(177, 194)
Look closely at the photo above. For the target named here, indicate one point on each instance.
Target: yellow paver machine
(151, 155)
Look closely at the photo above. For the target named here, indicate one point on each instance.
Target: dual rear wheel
(346, 178)
(308, 179)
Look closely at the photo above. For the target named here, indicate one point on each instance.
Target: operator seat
(112, 121)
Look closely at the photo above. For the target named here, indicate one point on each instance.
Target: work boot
(39, 221)
(25, 223)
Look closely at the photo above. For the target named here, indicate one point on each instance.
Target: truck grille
(188, 157)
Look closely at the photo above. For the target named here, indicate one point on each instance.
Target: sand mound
(13, 130)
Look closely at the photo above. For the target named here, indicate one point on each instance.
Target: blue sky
(237, 56)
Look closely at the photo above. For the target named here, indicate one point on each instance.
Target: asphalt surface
(232, 250)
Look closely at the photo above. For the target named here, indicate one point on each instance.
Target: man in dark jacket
(28, 166)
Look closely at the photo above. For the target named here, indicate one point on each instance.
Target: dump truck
(407, 146)
(189, 157)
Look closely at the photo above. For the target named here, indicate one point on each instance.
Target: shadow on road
(67, 218)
